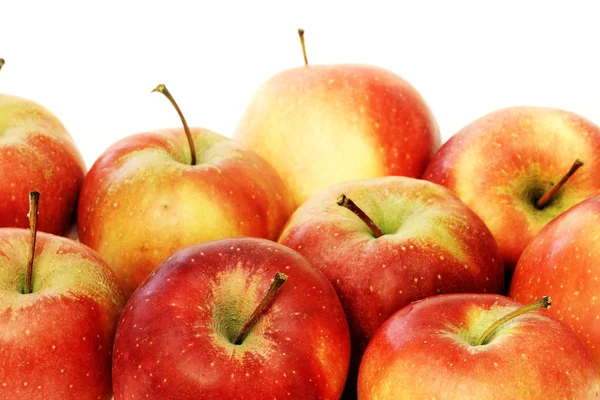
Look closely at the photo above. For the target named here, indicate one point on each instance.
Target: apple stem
(2, 62)
(344, 201)
(163, 89)
(34, 200)
(544, 302)
(543, 201)
(301, 34)
(262, 307)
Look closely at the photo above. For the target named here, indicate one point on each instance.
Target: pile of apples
(334, 248)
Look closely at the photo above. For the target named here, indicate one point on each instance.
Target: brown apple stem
(34, 200)
(544, 302)
(344, 201)
(543, 201)
(301, 34)
(263, 306)
(163, 89)
(2, 62)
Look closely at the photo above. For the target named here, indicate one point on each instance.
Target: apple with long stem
(211, 323)
(37, 154)
(468, 346)
(509, 167)
(153, 193)
(308, 122)
(59, 306)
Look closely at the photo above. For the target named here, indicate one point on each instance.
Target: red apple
(503, 163)
(37, 153)
(323, 124)
(431, 349)
(176, 338)
(563, 262)
(55, 339)
(145, 197)
(431, 243)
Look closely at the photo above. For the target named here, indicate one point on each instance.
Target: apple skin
(432, 244)
(500, 164)
(562, 262)
(319, 125)
(56, 343)
(423, 352)
(172, 340)
(142, 200)
(37, 153)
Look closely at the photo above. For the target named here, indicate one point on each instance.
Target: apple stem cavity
(344, 201)
(543, 201)
(163, 89)
(301, 34)
(544, 302)
(262, 307)
(34, 200)
(2, 62)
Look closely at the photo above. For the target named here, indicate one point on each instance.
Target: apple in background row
(55, 339)
(37, 153)
(149, 195)
(502, 164)
(177, 336)
(432, 349)
(563, 261)
(319, 125)
(431, 243)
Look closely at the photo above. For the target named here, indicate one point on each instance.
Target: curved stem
(344, 201)
(163, 89)
(34, 200)
(301, 34)
(543, 201)
(2, 62)
(262, 307)
(544, 302)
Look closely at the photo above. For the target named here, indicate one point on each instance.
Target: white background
(94, 64)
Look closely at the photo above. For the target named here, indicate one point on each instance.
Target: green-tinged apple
(419, 240)
(153, 193)
(59, 307)
(476, 347)
(563, 260)
(503, 165)
(319, 125)
(37, 153)
(241, 318)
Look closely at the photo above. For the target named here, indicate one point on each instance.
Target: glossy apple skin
(171, 342)
(37, 153)
(319, 125)
(423, 352)
(432, 244)
(562, 262)
(56, 343)
(142, 200)
(500, 164)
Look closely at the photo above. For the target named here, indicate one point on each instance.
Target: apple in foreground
(469, 346)
(178, 336)
(309, 122)
(428, 243)
(563, 261)
(504, 163)
(37, 153)
(150, 194)
(57, 319)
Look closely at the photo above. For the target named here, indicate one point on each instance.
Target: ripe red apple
(563, 261)
(432, 349)
(431, 243)
(55, 339)
(319, 125)
(502, 164)
(149, 195)
(176, 338)
(37, 153)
